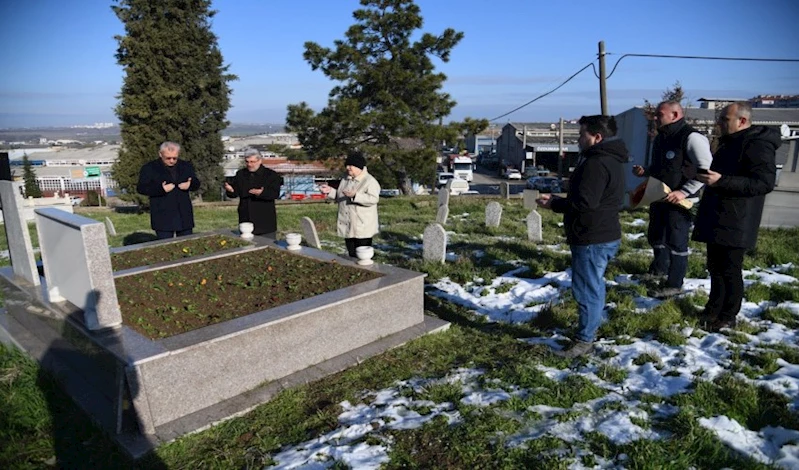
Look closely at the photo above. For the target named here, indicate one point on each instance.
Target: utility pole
(603, 94)
(560, 151)
(524, 149)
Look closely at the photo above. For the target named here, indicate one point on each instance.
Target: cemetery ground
(658, 392)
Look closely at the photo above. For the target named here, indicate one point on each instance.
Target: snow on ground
(515, 299)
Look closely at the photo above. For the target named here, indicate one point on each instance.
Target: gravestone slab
(529, 196)
(20, 247)
(309, 230)
(504, 190)
(77, 266)
(493, 214)
(534, 230)
(109, 225)
(443, 196)
(435, 243)
(443, 213)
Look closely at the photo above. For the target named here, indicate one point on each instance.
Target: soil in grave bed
(175, 300)
(174, 251)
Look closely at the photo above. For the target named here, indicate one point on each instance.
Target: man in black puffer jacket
(591, 218)
(742, 173)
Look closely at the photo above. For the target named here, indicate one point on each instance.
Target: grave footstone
(493, 214)
(443, 196)
(435, 243)
(534, 230)
(109, 225)
(20, 248)
(504, 190)
(529, 196)
(309, 230)
(443, 213)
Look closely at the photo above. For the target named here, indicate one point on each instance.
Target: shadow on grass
(138, 237)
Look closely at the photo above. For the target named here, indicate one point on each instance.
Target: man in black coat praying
(257, 188)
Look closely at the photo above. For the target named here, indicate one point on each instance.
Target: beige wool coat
(357, 216)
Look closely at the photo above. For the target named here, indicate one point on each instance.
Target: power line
(590, 64)
(664, 56)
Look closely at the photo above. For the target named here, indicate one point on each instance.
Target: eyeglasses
(170, 159)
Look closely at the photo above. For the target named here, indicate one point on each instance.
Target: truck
(461, 166)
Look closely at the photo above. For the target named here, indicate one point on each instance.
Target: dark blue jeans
(588, 285)
(668, 234)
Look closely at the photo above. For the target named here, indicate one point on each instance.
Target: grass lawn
(487, 393)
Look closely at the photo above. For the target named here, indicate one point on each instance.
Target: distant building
(528, 145)
(775, 101)
(716, 103)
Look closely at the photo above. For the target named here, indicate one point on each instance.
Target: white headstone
(20, 247)
(309, 230)
(504, 190)
(534, 230)
(443, 195)
(110, 227)
(529, 196)
(493, 214)
(435, 243)
(443, 213)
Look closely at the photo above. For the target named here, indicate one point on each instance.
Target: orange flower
(202, 283)
(269, 268)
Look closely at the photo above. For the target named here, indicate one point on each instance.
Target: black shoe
(577, 349)
(721, 323)
(665, 292)
(650, 277)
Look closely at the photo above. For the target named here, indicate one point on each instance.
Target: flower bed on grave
(181, 248)
(182, 298)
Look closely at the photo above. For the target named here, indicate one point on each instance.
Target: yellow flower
(223, 242)
(202, 283)
(185, 250)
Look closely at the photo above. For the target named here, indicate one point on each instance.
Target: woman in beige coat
(357, 196)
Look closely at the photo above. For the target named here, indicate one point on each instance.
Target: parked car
(76, 200)
(443, 178)
(531, 182)
(545, 184)
(458, 186)
(513, 174)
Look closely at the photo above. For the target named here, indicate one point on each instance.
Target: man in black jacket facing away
(257, 187)
(742, 173)
(591, 218)
(168, 181)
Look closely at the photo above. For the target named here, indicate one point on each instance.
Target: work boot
(720, 323)
(577, 349)
(664, 293)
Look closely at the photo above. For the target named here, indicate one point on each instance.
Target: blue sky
(58, 68)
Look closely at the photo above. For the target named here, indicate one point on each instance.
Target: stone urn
(364, 255)
(246, 228)
(293, 241)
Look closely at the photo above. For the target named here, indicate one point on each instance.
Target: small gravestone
(504, 190)
(435, 243)
(443, 196)
(309, 230)
(534, 231)
(493, 214)
(443, 213)
(529, 196)
(110, 227)
(20, 248)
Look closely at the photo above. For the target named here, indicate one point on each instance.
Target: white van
(457, 186)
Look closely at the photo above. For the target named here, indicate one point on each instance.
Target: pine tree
(29, 177)
(388, 102)
(175, 88)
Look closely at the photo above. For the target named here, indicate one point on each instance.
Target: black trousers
(668, 235)
(353, 243)
(164, 234)
(725, 265)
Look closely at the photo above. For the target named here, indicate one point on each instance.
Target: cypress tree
(175, 88)
(29, 177)
(388, 103)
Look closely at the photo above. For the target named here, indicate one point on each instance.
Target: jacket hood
(612, 147)
(763, 133)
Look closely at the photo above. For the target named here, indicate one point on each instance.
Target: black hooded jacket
(596, 194)
(730, 210)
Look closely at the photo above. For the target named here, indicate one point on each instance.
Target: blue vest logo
(670, 155)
